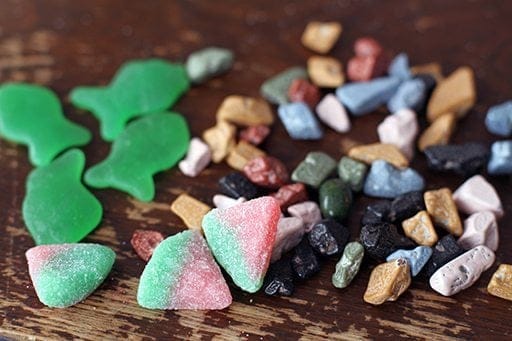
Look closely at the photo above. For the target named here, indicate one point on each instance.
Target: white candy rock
(308, 211)
(223, 201)
(480, 229)
(331, 112)
(400, 129)
(198, 157)
(476, 195)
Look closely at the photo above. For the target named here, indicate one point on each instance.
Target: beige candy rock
(220, 139)
(245, 111)
(243, 153)
(456, 93)
(321, 36)
(308, 212)
(379, 151)
(501, 282)
(400, 129)
(480, 229)
(433, 69)
(475, 195)
(388, 281)
(463, 271)
(325, 72)
(420, 229)
(290, 231)
(439, 132)
(442, 210)
(190, 210)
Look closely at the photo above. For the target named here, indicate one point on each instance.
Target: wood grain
(64, 44)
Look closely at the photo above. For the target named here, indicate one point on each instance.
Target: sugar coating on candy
(385, 181)
(207, 63)
(139, 87)
(198, 157)
(57, 207)
(463, 271)
(331, 112)
(369, 153)
(221, 139)
(325, 72)
(275, 89)
(399, 67)
(245, 111)
(290, 194)
(463, 159)
(477, 194)
(500, 284)
(255, 134)
(480, 229)
(411, 94)
(501, 158)
(387, 282)
(190, 210)
(439, 132)
(352, 172)
(66, 274)
(321, 36)
(236, 185)
(182, 274)
(241, 154)
(149, 145)
(308, 212)
(32, 115)
(348, 266)
(499, 119)
(416, 258)
(290, 231)
(144, 242)
(314, 169)
(299, 121)
(223, 201)
(364, 97)
(242, 237)
(266, 171)
(400, 130)
(301, 90)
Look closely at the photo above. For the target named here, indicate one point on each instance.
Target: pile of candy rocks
(266, 231)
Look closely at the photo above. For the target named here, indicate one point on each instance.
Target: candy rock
(245, 111)
(147, 146)
(221, 139)
(335, 199)
(241, 239)
(420, 229)
(57, 207)
(352, 172)
(308, 212)
(501, 158)
(328, 237)
(301, 90)
(399, 67)
(369, 153)
(439, 132)
(139, 87)
(144, 242)
(241, 154)
(198, 157)
(499, 119)
(445, 250)
(190, 210)
(376, 213)
(461, 272)
(480, 229)
(501, 282)
(349, 264)
(266, 171)
(400, 130)
(236, 185)
(314, 169)
(290, 194)
(321, 36)
(387, 282)
(325, 72)
(463, 159)
(223, 201)
(441, 207)
(32, 115)
(66, 274)
(331, 112)
(416, 258)
(279, 278)
(299, 121)
(411, 94)
(475, 195)
(182, 274)
(369, 62)
(305, 262)
(405, 206)
(207, 63)
(255, 134)
(431, 69)
(275, 89)
(367, 46)
(290, 231)
(381, 239)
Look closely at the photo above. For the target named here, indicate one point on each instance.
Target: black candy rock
(445, 250)
(381, 239)
(464, 159)
(328, 237)
(236, 185)
(405, 206)
(279, 278)
(376, 212)
(305, 262)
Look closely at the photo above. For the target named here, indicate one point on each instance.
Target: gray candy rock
(207, 63)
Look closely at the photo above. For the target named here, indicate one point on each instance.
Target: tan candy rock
(321, 36)
(475, 195)
(442, 210)
(221, 139)
(379, 151)
(420, 229)
(325, 72)
(456, 93)
(245, 111)
(463, 271)
(439, 132)
(433, 69)
(387, 282)
(501, 282)
(190, 210)
(241, 154)
(480, 229)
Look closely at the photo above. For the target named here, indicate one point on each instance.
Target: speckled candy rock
(207, 63)
(376, 212)
(405, 206)
(501, 282)
(352, 172)
(463, 159)
(182, 274)
(387, 282)
(314, 169)
(348, 266)
(299, 121)
(416, 258)
(445, 250)
(242, 237)
(275, 89)
(381, 239)
(266, 171)
(328, 237)
(66, 274)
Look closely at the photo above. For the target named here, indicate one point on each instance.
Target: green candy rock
(57, 207)
(32, 115)
(335, 198)
(275, 89)
(348, 266)
(352, 172)
(149, 145)
(314, 169)
(207, 63)
(66, 274)
(140, 87)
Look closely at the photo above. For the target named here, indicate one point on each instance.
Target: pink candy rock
(289, 234)
(308, 212)
(475, 195)
(400, 129)
(480, 229)
(198, 157)
(331, 112)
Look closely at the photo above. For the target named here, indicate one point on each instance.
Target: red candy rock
(144, 242)
(291, 194)
(255, 134)
(266, 171)
(367, 46)
(301, 90)
(369, 62)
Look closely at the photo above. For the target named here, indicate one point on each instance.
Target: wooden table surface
(63, 44)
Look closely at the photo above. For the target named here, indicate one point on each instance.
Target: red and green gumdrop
(57, 207)
(66, 274)
(182, 274)
(32, 115)
(139, 87)
(149, 145)
(241, 239)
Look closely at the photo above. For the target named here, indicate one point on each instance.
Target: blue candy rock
(299, 121)
(410, 95)
(501, 158)
(363, 97)
(399, 67)
(499, 119)
(417, 258)
(386, 181)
